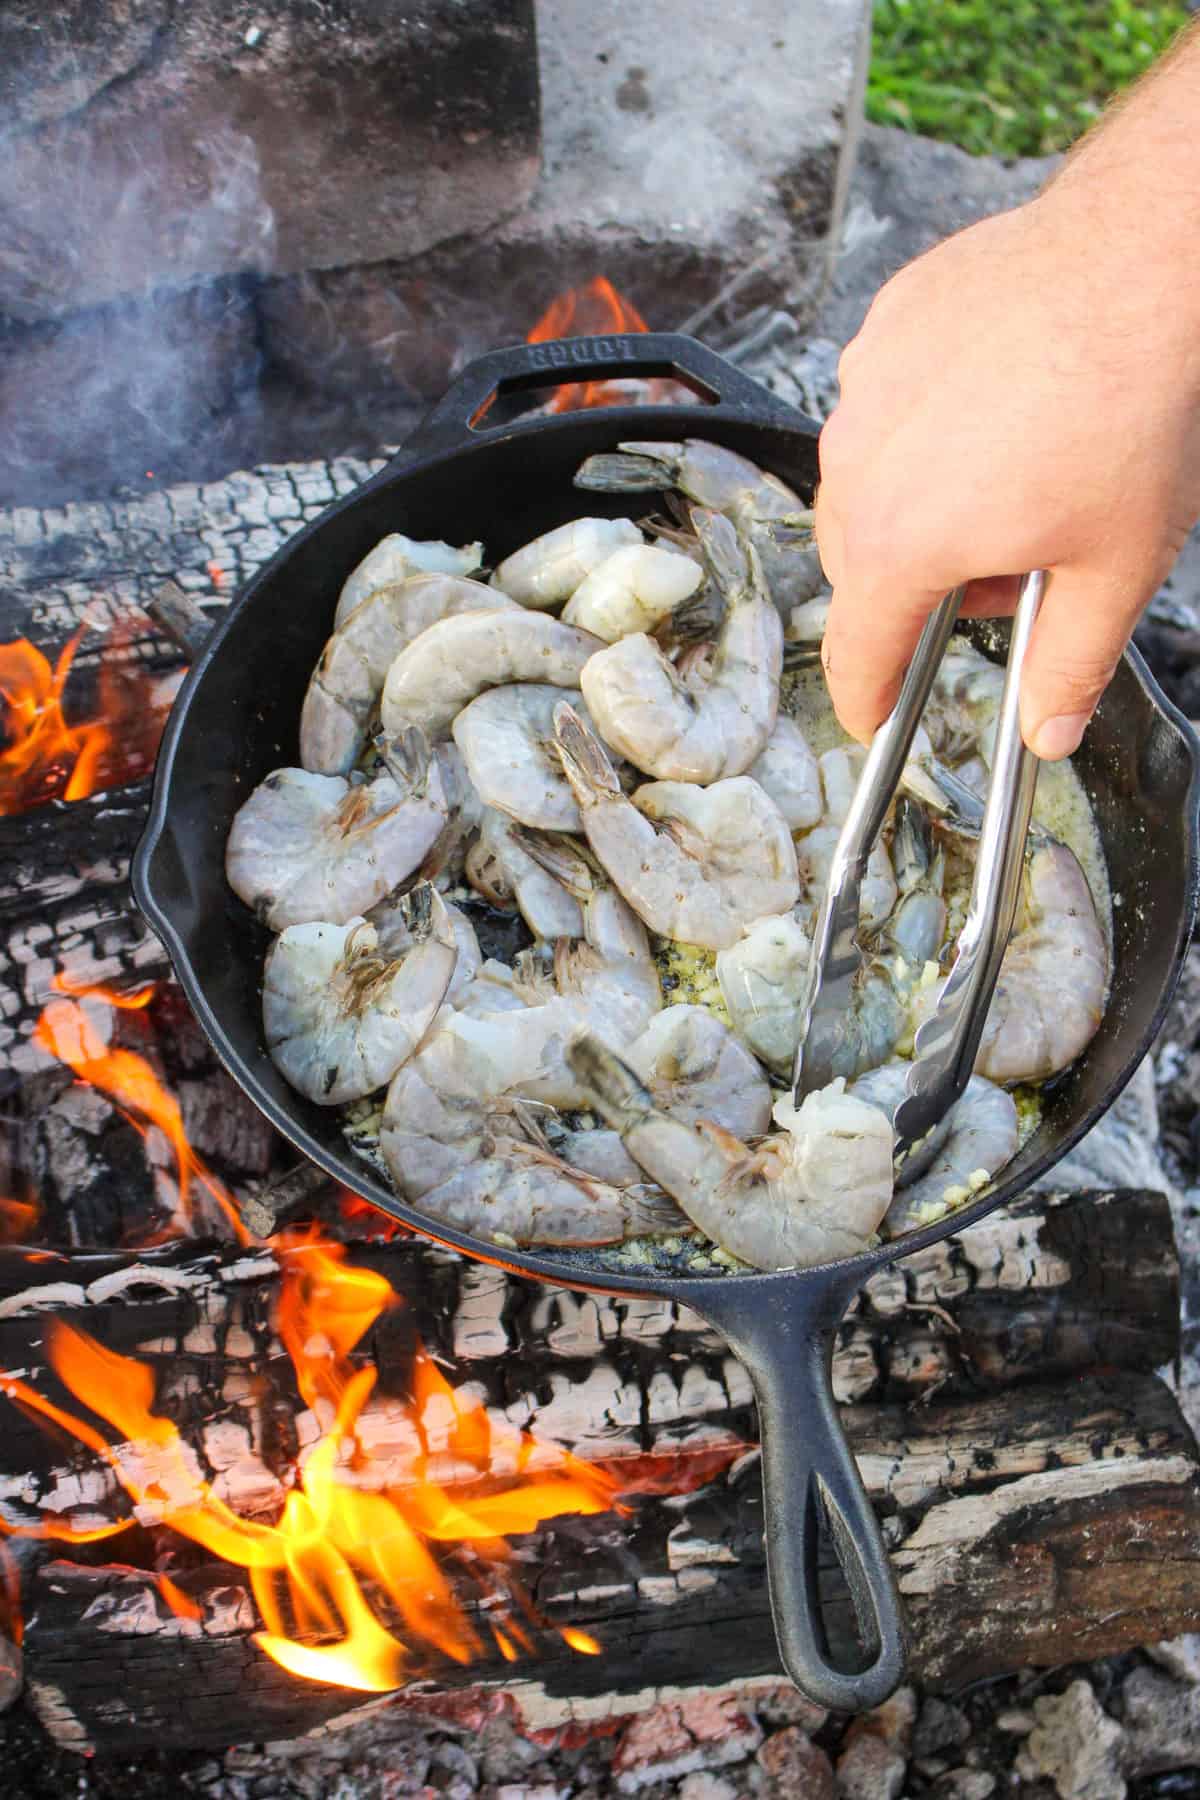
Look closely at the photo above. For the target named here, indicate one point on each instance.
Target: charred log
(1022, 1515)
(1022, 1534)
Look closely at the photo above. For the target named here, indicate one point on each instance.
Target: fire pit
(265, 1459)
(576, 1478)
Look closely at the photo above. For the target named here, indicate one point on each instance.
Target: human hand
(1025, 395)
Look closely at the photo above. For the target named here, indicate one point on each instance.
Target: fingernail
(1059, 737)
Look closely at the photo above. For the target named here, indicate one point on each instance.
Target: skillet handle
(461, 413)
(785, 1340)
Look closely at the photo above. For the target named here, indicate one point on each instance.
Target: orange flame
(43, 756)
(595, 310)
(19, 1217)
(73, 1031)
(336, 1542)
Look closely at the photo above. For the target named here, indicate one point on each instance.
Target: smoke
(129, 342)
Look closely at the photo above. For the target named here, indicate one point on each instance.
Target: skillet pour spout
(479, 467)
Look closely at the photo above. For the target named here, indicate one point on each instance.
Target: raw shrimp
(339, 1015)
(806, 624)
(501, 870)
(895, 959)
(520, 1195)
(917, 924)
(696, 1069)
(343, 695)
(475, 1062)
(446, 860)
(1049, 999)
(811, 1192)
(440, 1102)
(392, 919)
(972, 1144)
(763, 983)
(549, 570)
(715, 725)
(317, 847)
(840, 770)
(506, 737)
(789, 772)
(432, 680)
(397, 557)
(764, 508)
(610, 972)
(697, 864)
(635, 589)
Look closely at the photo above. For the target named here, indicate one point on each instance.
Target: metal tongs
(946, 1044)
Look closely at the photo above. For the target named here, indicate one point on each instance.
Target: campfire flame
(596, 310)
(77, 1030)
(43, 756)
(339, 1555)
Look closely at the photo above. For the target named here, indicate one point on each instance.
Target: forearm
(1128, 194)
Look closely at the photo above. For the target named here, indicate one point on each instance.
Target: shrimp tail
(612, 1087)
(407, 758)
(629, 471)
(587, 768)
(425, 915)
(570, 862)
(725, 552)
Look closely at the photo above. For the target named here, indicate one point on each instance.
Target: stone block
(702, 182)
(148, 144)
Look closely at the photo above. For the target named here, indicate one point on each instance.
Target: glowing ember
(43, 756)
(596, 310)
(19, 1217)
(371, 1219)
(340, 1555)
(77, 1031)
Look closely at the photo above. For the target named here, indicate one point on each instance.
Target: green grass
(1009, 77)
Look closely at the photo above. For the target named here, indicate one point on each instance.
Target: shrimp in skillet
(697, 864)
(309, 847)
(395, 558)
(813, 1191)
(339, 1014)
(343, 695)
(714, 723)
(431, 680)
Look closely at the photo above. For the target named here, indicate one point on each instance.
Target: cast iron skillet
(467, 474)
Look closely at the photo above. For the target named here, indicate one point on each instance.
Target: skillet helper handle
(809, 1477)
(461, 414)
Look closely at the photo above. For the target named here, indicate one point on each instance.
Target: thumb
(1084, 624)
(870, 637)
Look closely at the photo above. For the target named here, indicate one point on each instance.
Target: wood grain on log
(1065, 1527)
(998, 1498)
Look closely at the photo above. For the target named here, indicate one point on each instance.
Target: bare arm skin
(1027, 395)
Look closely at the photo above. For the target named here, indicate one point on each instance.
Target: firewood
(1033, 1527)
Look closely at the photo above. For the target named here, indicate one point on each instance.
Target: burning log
(1021, 1507)
(1021, 1513)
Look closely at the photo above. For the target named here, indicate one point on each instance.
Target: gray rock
(204, 141)
(907, 194)
(1076, 1745)
(650, 173)
(870, 1769)
(966, 1784)
(940, 1726)
(796, 1768)
(1162, 1722)
(1179, 1656)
